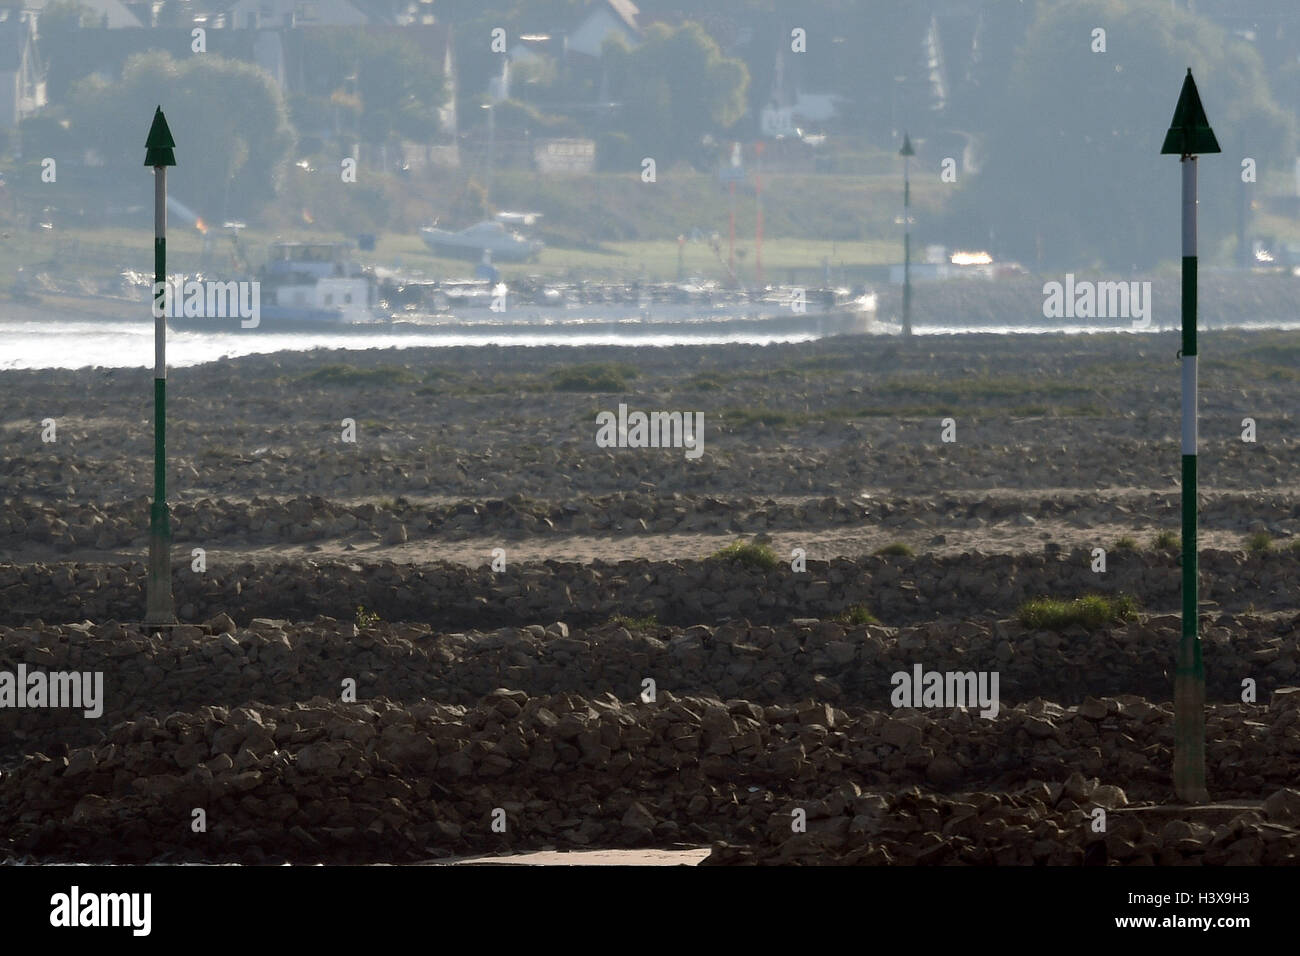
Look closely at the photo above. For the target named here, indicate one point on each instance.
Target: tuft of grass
(1295, 545)
(856, 614)
(349, 375)
(1125, 543)
(1259, 543)
(707, 382)
(748, 553)
(1166, 540)
(1089, 612)
(896, 549)
(635, 623)
(366, 618)
(593, 377)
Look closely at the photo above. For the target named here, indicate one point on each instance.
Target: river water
(35, 344)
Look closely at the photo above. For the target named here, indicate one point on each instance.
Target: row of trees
(1064, 122)
(1071, 174)
(1066, 135)
(229, 120)
(373, 86)
(236, 127)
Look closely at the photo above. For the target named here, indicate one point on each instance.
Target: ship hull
(278, 319)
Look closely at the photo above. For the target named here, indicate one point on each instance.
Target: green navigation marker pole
(1189, 134)
(159, 607)
(907, 153)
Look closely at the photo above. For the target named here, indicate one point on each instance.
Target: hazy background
(1055, 147)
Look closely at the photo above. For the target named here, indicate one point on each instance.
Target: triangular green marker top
(159, 145)
(1189, 133)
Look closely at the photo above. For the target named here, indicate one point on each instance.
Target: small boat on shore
(504, 245)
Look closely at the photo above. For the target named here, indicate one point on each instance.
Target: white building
(610, 18)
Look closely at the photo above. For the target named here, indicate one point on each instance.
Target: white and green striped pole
(159, 607)
(1189, 135)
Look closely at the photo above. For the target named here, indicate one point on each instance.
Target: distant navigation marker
(907, 153)
(1189, 134)
(159, 607)
(758, 213)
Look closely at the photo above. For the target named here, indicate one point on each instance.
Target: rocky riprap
(69, 526)
(1039, 824)
(747, 724)
(897, 589)
(521, 691)
(275, 662)
(378, 781)
(1222, 297)
(831, 418)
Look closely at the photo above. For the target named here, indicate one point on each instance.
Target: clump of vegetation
(856, 614)
(366, 618)
(350, 375)
(748, 553)
(1126, 543)
(1295, 545)
(593, 377)
(1259, 543)
(635, 623)
(705, 382)
(1165, 540)
(896, 549)
(443, 381)
(1089, 612)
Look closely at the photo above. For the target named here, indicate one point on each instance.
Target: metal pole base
(159, 606)
(1189, 738)
(1189, 674)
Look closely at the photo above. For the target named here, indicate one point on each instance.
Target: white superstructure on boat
(316, 281)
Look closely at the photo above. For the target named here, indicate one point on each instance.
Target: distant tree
(614, 152)
(472, 23)
(977, 98)
(524, 117)
(312, 116)
(537, 72)
(471, 203)
(1071, 165)
(65, 15)
(399, 91)
(676, 87)
(174, 13)
(45, 134)
(866, 47)
(228, 118)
